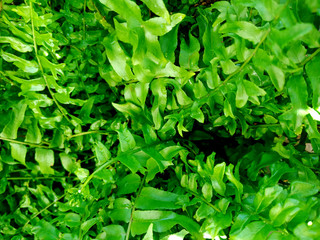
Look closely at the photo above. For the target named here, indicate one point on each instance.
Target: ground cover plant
(159, 119)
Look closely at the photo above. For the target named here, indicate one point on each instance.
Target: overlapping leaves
(108, 105)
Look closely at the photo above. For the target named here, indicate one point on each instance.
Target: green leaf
(117, 57)
(45, 158)
(45, 230)
(303, 189)
(277, 76)
(268, 9)
(265, 197)
(207, 191)
(3, 185)
(269, 119)
(19, 152)
(162, 222)
(189, 53)
(155, 199)
(235, 181)
(72, 219)
(130, 161)
(159, 27)
(169, 43)
(216, 223)
(179, 235)
(128, 184)
(284, 213)
(227, 109)
(127, 9)
(307, 231)
(243, 29)
(16, 118)
(153, 152)
(313, 72)
(297, 52)
(217, 178)
(34, 134)
(241, 95)
(68, 162)
(101, 152)
(158, 7)
(126, 139)
(196, 113)
(85, 226)
(113, 232)
(252, 231)
(121, 210)
(296, 32)
(149, 234)
(297, 89)
(16, 44)
(54, 68)
(24, 65)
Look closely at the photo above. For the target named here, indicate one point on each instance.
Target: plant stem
(5, 79)
(265, 125)
(106, 164)
(23, 143)
(203, 199)
(42, 210)
(310, 57)
(91, 132)
(84, 19)
(134, 206)
(37, 178)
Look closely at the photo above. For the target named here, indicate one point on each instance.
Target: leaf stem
(40, 65)
(203, 199)
(310, 57)
(37, 178)
(106, 164)
(134, 205)
(5, 79)
(42, 210)
(84, 19)
(91, 132)
(265, 125)
(24, 143)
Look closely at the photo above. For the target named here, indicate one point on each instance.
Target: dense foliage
(162, 120)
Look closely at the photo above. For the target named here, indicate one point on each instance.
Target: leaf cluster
(159, 119)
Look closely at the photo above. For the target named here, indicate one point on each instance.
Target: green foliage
(159, 120)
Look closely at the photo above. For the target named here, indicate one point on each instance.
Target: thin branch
(84, 19)
(91, 132)
(5, 79)
(42, 210)
(310, 57)
(37, 178)
(265, 125)
(203, 199)
(41, 68)
(134, 206)
(106, 164)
